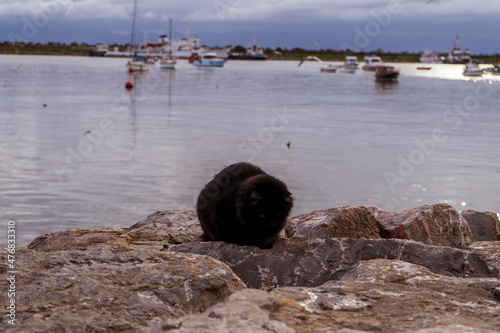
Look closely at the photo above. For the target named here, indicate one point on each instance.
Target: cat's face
(264, 202)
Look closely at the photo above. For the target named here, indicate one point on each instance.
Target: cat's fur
(244, 205)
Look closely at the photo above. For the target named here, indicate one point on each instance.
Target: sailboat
(136, 64)
(168, 62)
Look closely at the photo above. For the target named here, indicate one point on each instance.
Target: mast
(171, 38)
(132, 43)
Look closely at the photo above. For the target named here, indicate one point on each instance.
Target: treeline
(82, 49)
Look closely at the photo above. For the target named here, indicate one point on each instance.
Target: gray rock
(100, 290)
(312, 262)
(375, 296)
(485, 226)
(438, 224)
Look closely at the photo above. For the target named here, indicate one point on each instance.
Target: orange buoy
(129, 85)
(130, 69)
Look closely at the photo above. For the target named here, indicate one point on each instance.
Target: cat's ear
(287, 196)
(255, 198)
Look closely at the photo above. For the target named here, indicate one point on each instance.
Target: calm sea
(79, 150)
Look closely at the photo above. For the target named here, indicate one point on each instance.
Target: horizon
(394, 26)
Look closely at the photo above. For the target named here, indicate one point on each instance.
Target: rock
(80, 239)
(100, 290)
(159, 230)
(489, 252)
(312, 262)
(349, 222)
(438, 224)
(156, 276)
(375, 296)
(247, 311)
(485, 226)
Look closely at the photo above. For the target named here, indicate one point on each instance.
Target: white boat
(328, 69)
(457, 56)
(371, 63)
(472, 69)
(137, 63)
(350, 64)
(430, 58)
(168, 62)
(495, 70)
(208, 60)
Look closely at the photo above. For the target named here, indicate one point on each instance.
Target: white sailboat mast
(132, 43)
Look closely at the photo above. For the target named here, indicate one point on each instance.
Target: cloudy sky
(393, 25)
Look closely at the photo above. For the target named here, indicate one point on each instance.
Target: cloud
(97, 9)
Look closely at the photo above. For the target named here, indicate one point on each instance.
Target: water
(352, 141)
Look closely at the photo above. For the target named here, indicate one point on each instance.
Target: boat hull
(137, 66)
(387, 77)
(168, 64)
(247, 57)
(209, 63)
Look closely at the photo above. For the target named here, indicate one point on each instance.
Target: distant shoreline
(289, 55)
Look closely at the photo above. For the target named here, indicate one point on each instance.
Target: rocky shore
(347, 269)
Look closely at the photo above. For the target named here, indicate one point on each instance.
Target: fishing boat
(208, 60)
(430, 58)
(168, 62)
(350, 64)
(472, 69)
(137, 63)
(372, 63)
(386, 73)
(457, 56)
(253, 52)
(495, 70)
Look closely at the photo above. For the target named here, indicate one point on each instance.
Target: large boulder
(374, 296)
(158, 230)
(438, 224)
(341, 222)
(312, 262)
(485, 226)
(346, 273)
(101, 290)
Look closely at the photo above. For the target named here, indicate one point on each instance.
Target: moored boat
(350, 64)
(137, 63)
(472, 69)
(168, 62)
(457, 56)
(253, 52)
(372, 63)
(386, 73)
(208, 60)
(430, 58)
(329, 69)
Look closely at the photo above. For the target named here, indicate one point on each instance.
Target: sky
(360, 25)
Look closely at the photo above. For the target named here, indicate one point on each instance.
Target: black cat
(244, 205)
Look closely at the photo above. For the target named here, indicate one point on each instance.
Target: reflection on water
(98, 155)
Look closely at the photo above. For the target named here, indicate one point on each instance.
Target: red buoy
(130, 69)
(129, 85)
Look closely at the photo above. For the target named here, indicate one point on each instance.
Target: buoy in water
(130, 69)
(129, 85)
